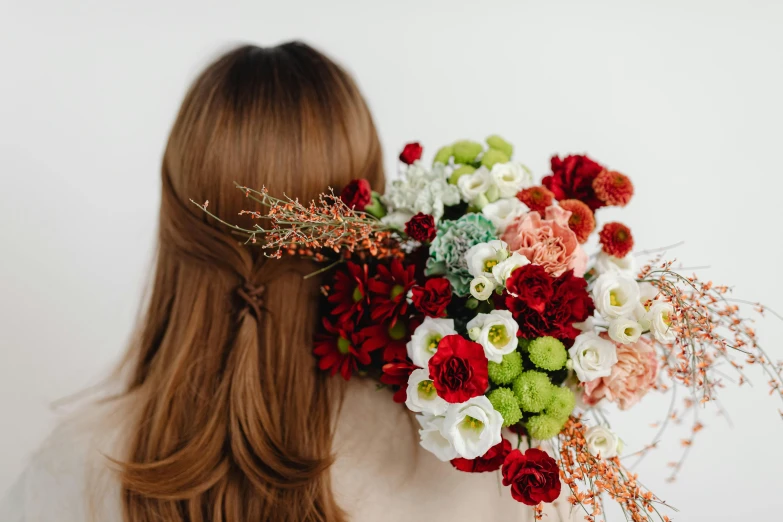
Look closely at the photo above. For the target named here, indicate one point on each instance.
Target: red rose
(421, 227)
(459, 369)
(490, 461)
(433, 298)
(411, 153)
(357, 194)
(572, 178)
(531, 284)
(533, 476)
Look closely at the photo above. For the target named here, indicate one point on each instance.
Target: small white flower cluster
(491, 264)
(421, 189)
(494, 191)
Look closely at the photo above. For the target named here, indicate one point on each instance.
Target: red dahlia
(396, 375)
(340, 349)
(350, 293)
(390, 291)
(616, 239)
(459, 369)
(536, 198)
(421, 227)
(357, 194)
(613, 188)
(411, 153)
(432, 298)
(492, 460)
(572, 178)
(534, 476)
(582, 221)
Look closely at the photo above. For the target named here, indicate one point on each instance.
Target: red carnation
(390, 291)
(572, 178)
(340, 349)
(357, 194)
(432, 298)
(421, 227)
(534, 476)
(490, 461)
(459, 369)
(532, 285)
(582, 220)
(613, 188)
(536, 198)
(349, 293)
(396, 375)
(411, 153)
(391, 337)
(616, 239)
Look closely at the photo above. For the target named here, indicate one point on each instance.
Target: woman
(223, 416)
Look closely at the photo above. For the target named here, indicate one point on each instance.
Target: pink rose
(547, 242)
(632, 377)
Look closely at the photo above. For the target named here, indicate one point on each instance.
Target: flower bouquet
(466, 289)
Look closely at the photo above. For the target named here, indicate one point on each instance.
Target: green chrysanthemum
(543, 427)
(561, 404)
(447, 250)
(505, 403)
(533, 390)
(498, 143)
(493, 156)
(507, 370)
(443, 155)
(459, 172)
(466, 151)
(547, 353)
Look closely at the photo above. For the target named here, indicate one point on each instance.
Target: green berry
(466, 151)
(548, 353)
(498, 143)
(543, 427)
(443, 155)
(533, 390)
(561, 404)
(459, 172)
(507, 370)
(493, 156)
(505, 403)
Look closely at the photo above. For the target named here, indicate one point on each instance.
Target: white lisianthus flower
(472, 427)
(647, 294)
(602, 441)
(510, 178)
(660, 316)
(607, 263)
(615, 295)
(475, 184)
(482, 258)
(432, 438)
(397, 219)
(624, 330)
(496, 332)
(592, 356)
(422, 396)
(482, 287)
(425, 339)
(503, 211)
(502, 271)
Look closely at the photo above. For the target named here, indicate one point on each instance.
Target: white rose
(602, 441)
(496, 332)
(624, 330)
(475, 184)
(502, 271)
(472, 427)
(422, 396)
(482, 287)
(592, 356)
(607, 263)
(615, 295)
(660, 318)
(503, 211)
(483, 257)
(425, 339)
(510, 178)
(432, 439)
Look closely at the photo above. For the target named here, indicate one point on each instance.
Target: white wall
(682, 96)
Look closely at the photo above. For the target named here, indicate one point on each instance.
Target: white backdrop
(682, 96)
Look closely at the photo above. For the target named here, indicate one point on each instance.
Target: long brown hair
(233, 421)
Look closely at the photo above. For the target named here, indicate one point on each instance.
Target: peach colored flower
(632, 377)
(547, 242)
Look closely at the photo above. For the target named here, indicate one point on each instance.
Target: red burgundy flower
(391, 337)
(349, 294)
(616, 239)
(396, 375)
(492, 460)
(411, 153)
(421, 227)
(533, 476)
(432, 298)
(340, 349)
(357, 194)
(459, 369)
(532, 285)
(572, 178)
(390, 289)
